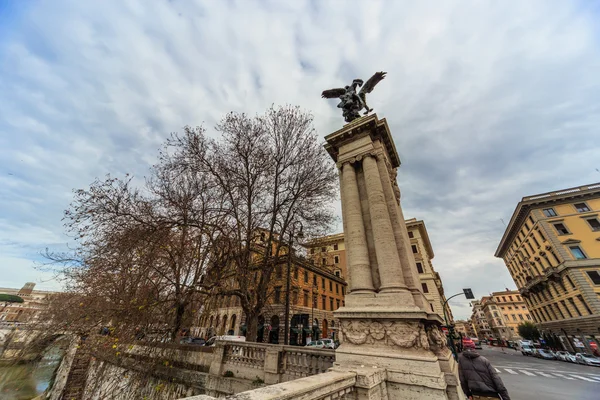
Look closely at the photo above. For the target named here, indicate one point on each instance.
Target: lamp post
(469, 295)
(312, 316)
(300, 235)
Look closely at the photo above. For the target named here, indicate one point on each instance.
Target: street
(533, 378)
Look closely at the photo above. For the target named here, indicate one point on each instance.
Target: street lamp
(469, 295)
(300, 235)
(315, 289)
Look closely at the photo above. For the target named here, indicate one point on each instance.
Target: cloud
(487, 102)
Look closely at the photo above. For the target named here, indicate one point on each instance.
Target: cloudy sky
(487, 101)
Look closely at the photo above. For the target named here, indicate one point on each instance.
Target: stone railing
(269, 363)
(245, 354)
(299, 362)
(327, 386)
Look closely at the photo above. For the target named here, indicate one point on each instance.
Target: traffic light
(468, 293)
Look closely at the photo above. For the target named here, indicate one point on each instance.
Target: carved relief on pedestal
(393, 173)
(437, 340)
(385, 333)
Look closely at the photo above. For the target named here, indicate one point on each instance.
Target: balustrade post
(272, 365)
(216, 365)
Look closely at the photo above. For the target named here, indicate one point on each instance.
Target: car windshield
(589, 356)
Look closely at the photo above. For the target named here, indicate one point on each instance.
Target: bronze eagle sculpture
(351, 102)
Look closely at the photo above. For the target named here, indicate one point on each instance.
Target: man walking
(478, 378)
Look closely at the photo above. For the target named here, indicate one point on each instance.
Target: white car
(587, 359)
(328, 343)
(231, 338)
(321, 344)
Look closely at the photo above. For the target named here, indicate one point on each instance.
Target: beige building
(479, 321)
(551, 248)
(505, 311)
(33, 302)
(330, 252)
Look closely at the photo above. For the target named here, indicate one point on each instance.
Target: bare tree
(270, 170)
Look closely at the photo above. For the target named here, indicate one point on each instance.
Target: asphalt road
(528, 378)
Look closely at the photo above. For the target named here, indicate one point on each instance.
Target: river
(26, 381)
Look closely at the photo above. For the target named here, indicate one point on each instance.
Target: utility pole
(286, 330)
(469, 295)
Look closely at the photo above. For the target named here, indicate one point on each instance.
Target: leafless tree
(270, 170)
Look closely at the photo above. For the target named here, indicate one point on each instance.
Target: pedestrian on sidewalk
(478, 378)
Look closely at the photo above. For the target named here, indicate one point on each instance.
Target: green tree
(528, 331)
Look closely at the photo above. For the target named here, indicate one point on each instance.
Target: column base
(405, 344)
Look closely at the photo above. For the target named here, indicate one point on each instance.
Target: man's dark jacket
(478, 377)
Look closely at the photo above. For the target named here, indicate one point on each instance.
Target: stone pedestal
(385, 324)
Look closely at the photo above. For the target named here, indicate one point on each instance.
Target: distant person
(478, 378)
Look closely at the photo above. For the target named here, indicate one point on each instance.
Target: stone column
(390, 270)
(356, 241)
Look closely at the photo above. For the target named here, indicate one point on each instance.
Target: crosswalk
(549, 374)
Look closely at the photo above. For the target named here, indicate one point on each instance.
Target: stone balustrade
(327, 386)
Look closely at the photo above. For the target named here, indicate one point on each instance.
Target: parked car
(587, 359)
(231, 338)
(562, 355)
(545, 354)
(570, 357)
(477, 343)
(525, 347)
(192, 340)
(328, 343)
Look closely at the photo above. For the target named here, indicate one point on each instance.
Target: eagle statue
(351, 102)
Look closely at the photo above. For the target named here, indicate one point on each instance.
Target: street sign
(445, 330)
(468, 293)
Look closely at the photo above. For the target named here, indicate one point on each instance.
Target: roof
(335, 238)
(424, 234)
(528, 203)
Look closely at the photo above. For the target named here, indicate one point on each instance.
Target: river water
(26, 381)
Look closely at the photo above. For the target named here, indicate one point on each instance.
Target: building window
(420, 267)
(323, 283)
(323, 249)
(296, 273)
(324, 261)
(312, 250)
(315, 280)
(277, 295)
(581, 207)
(514, 317)
(549, 212)
(279, 272)
(574, 306)
(594, 224)
(305, 298)
(295, 297)
(337, 303)
(504, 299)
(561, 228)
(330, 286)
(594, 276)
(577, 252)
(336, 259)
(335, 246)
(414, 249)
(521, 317)
(411, 235)
(331, 303)
(425, 288)
(343, 291)
(337, 273)
(510, 298)
(305, 277)
(324, 302)
(314, 301)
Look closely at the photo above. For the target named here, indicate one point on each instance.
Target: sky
(487, 101)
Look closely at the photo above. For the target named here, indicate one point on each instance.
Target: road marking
(498, 371)
(592, 377)
(526, 372)
(545, 374)
(583, 378)
(563, 376)
(510, 371)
